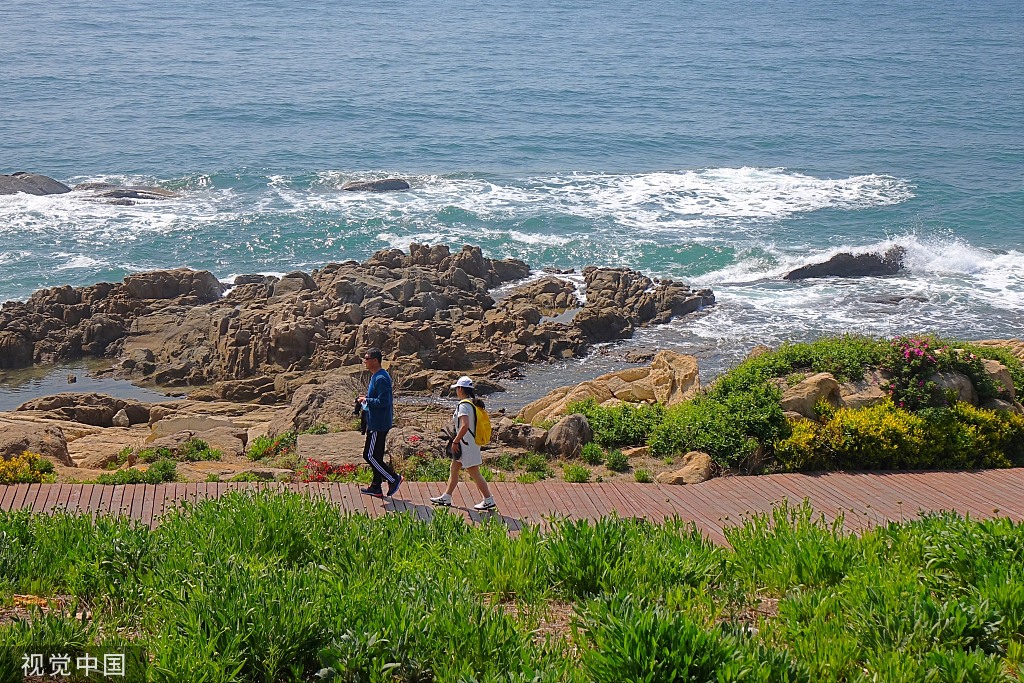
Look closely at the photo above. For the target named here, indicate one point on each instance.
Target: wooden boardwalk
(864, 499)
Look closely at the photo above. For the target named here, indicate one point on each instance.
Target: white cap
(465, 382)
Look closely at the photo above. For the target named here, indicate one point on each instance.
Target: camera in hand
(358, 410)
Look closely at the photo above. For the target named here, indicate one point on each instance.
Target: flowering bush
(27, 468)
(319, 470)
(912, 362)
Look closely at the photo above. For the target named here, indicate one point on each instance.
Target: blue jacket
(379, 402)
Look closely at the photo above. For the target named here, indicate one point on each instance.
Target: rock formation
(384, 185)
(31, 183)
(429, 310)
(848, 265)
(670, 379)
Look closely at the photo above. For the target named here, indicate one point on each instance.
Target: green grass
(278, 587)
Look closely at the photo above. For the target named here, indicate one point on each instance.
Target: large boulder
(697, 467)
(567, 437)
(31, 183)
(804, 396)
(1000, 374)
(849, 265)
(519, 434)
(670, 379)
(47, 441)
(16, 350)
(331, 403)
(865, 392)
(958, 384)
(93, 409)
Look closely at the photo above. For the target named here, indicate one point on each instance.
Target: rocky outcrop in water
(31, 183)
(848, 265)
(429, 310)
(383, 185)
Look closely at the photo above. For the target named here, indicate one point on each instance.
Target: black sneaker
(393, 488)
(370, 491)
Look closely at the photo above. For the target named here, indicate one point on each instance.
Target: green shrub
(427, 469)
(576, 474)
(153, 454)
(617, 461)
(727, 427)
(210, 478)
(537, 463)
(505, 461)
(592, 454)
(643, 476)
(627, 424)
(528, 478)
(272, 447)
(159, 472)
(196, 449)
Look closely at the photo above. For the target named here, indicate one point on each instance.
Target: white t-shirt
(471, 455)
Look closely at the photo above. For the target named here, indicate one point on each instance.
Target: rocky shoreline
(269, 354)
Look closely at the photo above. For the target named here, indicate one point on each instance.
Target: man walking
(378, 406)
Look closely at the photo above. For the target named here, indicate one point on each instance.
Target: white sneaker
(486, 504)
(443, 500)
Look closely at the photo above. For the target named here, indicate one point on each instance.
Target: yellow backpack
(482, 435)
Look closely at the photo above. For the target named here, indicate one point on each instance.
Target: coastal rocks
(804, 396)
(429, 310)
(567, 437)
(124, 195)
(383, 185)
(47, 441)
(329, 404)
(847, 265)
(670, 379)
(697, 468)
(66, 323)
(338, 448)
(31, 183)
(15, 350)
(93, 409)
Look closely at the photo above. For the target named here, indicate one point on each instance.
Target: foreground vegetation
(282, 588)
(739, 420)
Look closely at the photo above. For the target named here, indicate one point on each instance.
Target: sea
(718, 143)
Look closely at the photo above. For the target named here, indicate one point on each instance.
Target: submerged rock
(848, 265)
(384, 185)
(31, 183)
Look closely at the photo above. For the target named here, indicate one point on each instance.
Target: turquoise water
(723, 143)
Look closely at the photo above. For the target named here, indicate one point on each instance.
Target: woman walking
(468, 450)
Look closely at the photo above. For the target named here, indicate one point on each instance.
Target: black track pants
(373, 454)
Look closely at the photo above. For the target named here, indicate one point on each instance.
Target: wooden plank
(8, 497)
(45, 498)
(148, 503)
(127, 500)
(95, 495)
(138, 501)
(74, 501)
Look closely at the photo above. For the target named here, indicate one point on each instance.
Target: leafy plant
(643, 476)
(617, 461)
(576, 474)
(157, 473)
(592, 454)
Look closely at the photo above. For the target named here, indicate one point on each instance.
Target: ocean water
(719, 143)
